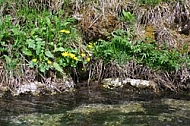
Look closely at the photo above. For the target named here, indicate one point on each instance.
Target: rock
(32, 87)
(142, 84)
(112, 83)
(36, 88)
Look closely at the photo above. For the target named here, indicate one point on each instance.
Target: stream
(96, 107)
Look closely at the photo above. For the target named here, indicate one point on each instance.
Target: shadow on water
(97, 107)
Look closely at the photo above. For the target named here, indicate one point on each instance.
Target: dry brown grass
(99, 18)
(163, 18)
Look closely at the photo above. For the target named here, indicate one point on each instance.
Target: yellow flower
(75, 58)
(71, 55)
(65, 54)
(90, 45)
(88, 59)
(34, 60)
(83, 54)
(49, 62)
(65, 31)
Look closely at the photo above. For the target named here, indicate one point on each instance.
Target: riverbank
(54, 45)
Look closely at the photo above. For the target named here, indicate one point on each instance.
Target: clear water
(96, 108)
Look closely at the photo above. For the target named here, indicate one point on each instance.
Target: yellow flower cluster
(88, 59)
(65, 54)
(34, 60)
(90, 45)
(71, 55)
(83, 55)
(49, 62)
(65, 31)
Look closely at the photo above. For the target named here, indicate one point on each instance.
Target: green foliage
(40, 39)
(127, 16)
(149, 2)
(121, 49)
(48, 41)
(11, 63)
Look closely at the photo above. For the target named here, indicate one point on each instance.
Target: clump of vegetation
(39, 40)
(121, 49)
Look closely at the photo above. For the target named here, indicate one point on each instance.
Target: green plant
(121, 49)
(127, 16)
(46, 52)
(149, 2)
(40, 39)
(11, 39)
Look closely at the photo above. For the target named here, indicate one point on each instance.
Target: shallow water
(96, 108)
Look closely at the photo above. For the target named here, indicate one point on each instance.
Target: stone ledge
(112, 83)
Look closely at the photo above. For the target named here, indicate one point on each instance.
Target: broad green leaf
(57, 67)
(66, 23)
(48, 21)
(38, 39)
(31, 64)
(27, 52)
(49, 54)
(34, 31)
(38, 49)
(61, 49)
(128, 16)
(2, 43)
(31, 43)
(7, 58)
(41, 43)
(185, 47)
(42, 68)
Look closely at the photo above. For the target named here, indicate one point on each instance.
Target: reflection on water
(96, 108)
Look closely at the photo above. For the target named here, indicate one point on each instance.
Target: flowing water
(96, 107)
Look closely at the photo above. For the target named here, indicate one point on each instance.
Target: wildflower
(65, 31)
(49, 62)
(65, 54)
(88, 59)
(71, 55)
(83, 54)
(90, 45)
(34, 60)
(75, 58)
